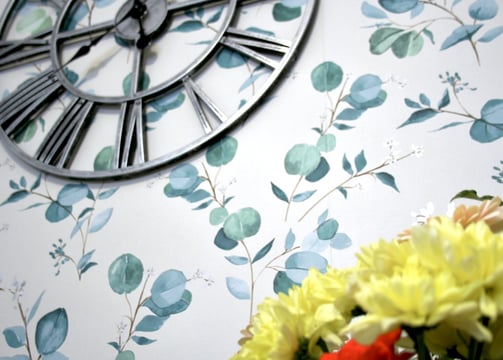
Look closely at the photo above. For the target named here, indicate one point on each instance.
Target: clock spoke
(28, 100)
(130, 135)
(182, 5)
(197, 98)
(256, 45)
(60, 143)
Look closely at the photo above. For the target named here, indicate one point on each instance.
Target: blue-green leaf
(490, 127)
(446, 100)
(398, 6)
(412, 104)
(178, 307)
(326, 143)
(419, 116)
(184, 177)
(237, 260)
(168, 288)
(84, 260)
(326, 77)
(282, 283)
(491, 34)
(197, 195)
(313, 243)
(70, 194)
(350, 114)
(216, 16)
(327, 229)
(107, 193)
(15, 336)
(223, 242)
(100, 220)
(408, 44)
(462, 33)
(36, 183)
(372, 12)
(263, 252)
(320, 172)
(424, 99)
(365, 88)
(483, 9)
(13, 185)
(189, 26)
(346, 165)
(238, 288)
(280, 194)
(383, 38)
(340, 241)
(298, 264)
(289, 240)
(125, 274)
(15, 357)
(56, 212)
(387, 179)
(16, 196)
(150, 323)
(229, 59)
(55, 356)
(218, 215)
(302, 159)
(34, 308)
(242, 224)
(204, 205)
(114, 344)
(303, 196)
(360, 161)
(51, 331)
(125, 355)
(282, 13)
(142, 340)
(323, 217)
(222, 152)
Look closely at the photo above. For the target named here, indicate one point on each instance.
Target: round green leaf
(104, 159)
(366, 88)
(382, 39)
(184, 177)
(408, 44)
(326, 77)
(168, 288)
(327, 229)
(218, 215)
(398, 6)
(71, 194)
(222, 152)
(125, 355)
(302, 159)
(242, 224)
(326, 143)
(51, 331)
(125, 274)
(283, 13)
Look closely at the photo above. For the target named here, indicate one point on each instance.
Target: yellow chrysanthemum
(473, 255)
(300, 318)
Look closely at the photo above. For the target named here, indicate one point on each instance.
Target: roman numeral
(14, 52)
(197, 98)
(130, 135)
(28, 100)
(256, 45)
(64, 137)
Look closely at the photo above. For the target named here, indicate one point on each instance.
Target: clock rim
(172, 158)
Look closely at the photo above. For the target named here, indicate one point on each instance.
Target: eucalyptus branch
(454, 86)
(350, 178)
(25, 325)
(212, 185)
(290, 199)
(252, 279)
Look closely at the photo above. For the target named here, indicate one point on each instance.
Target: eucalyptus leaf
(263, 251)
(125, 274)
(282, 13)
(302, 159)
(326, 76)
(238, 288)
(15, 336)
(242, 224)
(168, 288)
(222, 152)
(280, 194)
(100, 220)
(462, 33)
(51, 331)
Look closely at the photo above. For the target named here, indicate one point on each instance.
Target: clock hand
(137, 11)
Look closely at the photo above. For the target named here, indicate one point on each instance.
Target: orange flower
(382, 349)
(489, 211)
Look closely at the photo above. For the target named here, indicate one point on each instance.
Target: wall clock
(104, 89)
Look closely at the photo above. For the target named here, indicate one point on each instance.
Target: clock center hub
(138, 20)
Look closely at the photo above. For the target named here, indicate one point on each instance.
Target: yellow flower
(284, 326)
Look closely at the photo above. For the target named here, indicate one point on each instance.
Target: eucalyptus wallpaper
(391, 108)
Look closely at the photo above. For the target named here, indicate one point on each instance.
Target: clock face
(101, 89)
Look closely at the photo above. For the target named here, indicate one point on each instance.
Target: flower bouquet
(434, 292)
